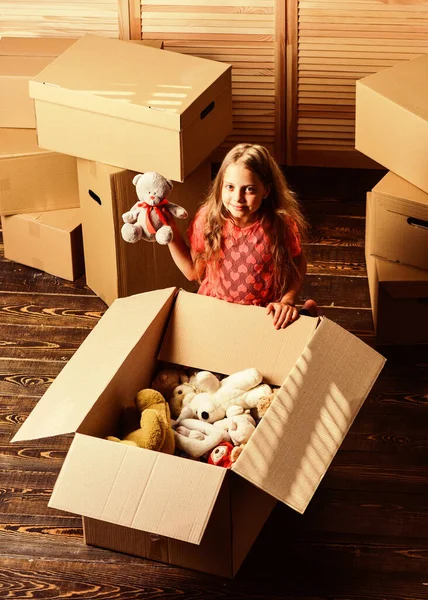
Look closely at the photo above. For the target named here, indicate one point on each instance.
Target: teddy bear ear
(136, 178)
(170, 184)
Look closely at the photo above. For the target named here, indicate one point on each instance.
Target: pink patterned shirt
(244, 272)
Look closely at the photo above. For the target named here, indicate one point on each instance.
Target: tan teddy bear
(155, 431)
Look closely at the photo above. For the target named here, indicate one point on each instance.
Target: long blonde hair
(279, 204)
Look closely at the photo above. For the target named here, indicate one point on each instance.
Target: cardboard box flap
(404, 83)
(398, 195)
(25, 46)
(295, 442)
(66, 220)
(401, 281)
(145, 490)
(214, 348)
(129, 81)
(86, 375)
(18, 142)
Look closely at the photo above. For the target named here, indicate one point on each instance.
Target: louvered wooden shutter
(59, 18)
(340, 41)
(238, 32)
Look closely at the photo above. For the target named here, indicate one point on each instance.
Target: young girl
(245, 239)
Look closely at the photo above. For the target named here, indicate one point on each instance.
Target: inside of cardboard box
(116, 415)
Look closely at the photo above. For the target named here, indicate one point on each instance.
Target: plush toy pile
(198, 414)
(213, 417)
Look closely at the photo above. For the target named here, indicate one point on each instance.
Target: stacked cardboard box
(392, 129)
(34, 180)
(133, 108)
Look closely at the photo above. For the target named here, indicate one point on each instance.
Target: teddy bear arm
(242, 380)
(154, 430)
(195, 447)
(169, 443)
(131, 215)
(177, 211)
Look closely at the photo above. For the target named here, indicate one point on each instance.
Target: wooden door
(333, 43)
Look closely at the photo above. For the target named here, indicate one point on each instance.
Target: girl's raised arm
(181, 254)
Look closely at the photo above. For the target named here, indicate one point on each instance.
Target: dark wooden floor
(365, 533)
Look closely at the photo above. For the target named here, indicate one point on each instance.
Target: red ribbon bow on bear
(159, 209)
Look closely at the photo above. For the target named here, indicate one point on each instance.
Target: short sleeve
(195, 232)
(293, 237)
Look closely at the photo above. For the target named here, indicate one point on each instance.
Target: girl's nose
(237, 195)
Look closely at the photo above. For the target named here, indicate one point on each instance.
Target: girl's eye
(250, 190)
(228, 186)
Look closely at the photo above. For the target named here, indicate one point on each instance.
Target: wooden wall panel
(338, 42)
(243, 33)
(60, 18)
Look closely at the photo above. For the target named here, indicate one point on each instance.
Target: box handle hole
(94, 196)
(207, 110)
(417, 223)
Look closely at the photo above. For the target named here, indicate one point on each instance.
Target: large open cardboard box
(21, 59)
(182, 511)
(400, 222)
(391, 121)
(32, 179)
(50, 241)
(133, 106)
(398, 293)
(115, 268)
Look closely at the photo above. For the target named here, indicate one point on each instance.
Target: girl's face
(242, 193)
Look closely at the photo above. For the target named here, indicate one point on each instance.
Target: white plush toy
(196, 438)
(182, 394)
(243, 388)
(238, 423)
(146, 219)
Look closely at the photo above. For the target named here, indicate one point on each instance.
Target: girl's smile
(242, 193)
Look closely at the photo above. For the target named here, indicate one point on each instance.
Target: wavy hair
(280, 203)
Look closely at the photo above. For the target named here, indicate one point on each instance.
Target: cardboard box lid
(295, 442)
(399, 195)
(25, 46)
(83, 379)
(146, 490)
(132, 81)
(18, 142)
(402, 281)
(405, 84)
(22, 66)
(66, 219)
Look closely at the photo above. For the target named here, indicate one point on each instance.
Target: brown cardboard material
(324, 382)
(115, 268)
(21, 59)
(32, 179)
(398, 294)
(400, 222)
(133, 106)
(392, 119)
(49, 241)
(27, 46)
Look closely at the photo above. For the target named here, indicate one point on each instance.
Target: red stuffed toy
(224, 455)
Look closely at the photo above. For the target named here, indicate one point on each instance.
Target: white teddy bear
(146, 219)
(208, 398)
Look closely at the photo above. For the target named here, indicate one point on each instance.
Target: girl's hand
(283, 314)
